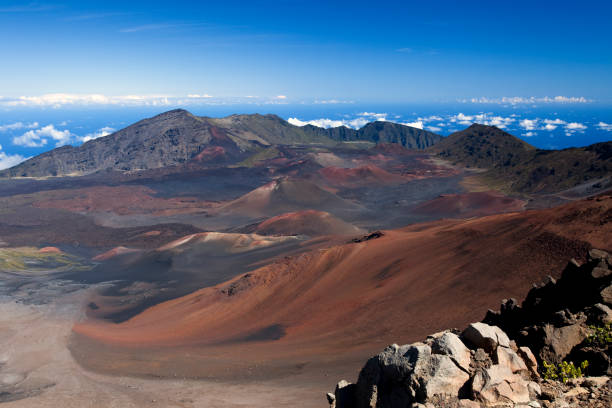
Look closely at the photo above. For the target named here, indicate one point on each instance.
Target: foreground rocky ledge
(499, 362)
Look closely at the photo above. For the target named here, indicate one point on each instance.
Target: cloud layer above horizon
(59, 100)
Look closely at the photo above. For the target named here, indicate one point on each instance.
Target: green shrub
(564, 371)
(600, 336)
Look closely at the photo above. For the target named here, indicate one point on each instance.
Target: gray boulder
(403, 375)
(450, 345)
(498, 385)
(481, 335)
(440, 376)
(507, 357)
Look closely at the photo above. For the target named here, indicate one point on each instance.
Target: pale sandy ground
(37, 367)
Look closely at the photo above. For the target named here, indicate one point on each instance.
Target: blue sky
(384, 51)
(75, 70)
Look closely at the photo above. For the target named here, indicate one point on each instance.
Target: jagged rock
(530, 360)
(450, 344)
(402, 375)
(482, 362)
(441, 376)
(507, 356)
(487, 337)
(559, 341)
(497, 385)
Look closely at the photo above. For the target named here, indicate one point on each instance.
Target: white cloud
(374, 115)
(549, 127)
(431, 118)
(105, 131)
(529, 124)
(18, 126)
(519, 100)
(554, 121)
(529, 134)
(324, 123)
(61, 99)
(198, 96)
(552, 124)
(330, 123)
(575, 126)
(331, 102)
(29, 139)
(356, 123)
(605, 126)
(9, 160)
(281, 96)
(39, 137)
(434, 128)
(482, 118)
(418, 124)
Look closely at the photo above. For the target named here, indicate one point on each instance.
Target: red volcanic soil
(120, 250)
(360, 176)
(224, 242)
(121, 200)
(50, 250)
(470, 205)
(286, 195)
(210, 153)
(322, 306)
(308, 222)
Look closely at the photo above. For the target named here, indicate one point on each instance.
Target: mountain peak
(177, 137)
(174, 113)
(482, 146)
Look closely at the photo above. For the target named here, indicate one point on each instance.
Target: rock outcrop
(499, 362)
(555, 318)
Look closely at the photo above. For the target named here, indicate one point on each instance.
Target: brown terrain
(258, 265)
(307, 222)
(471, 204)
(328, 308)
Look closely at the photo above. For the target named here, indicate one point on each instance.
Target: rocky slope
(514, 165)
(484, 147)
(485, 366)
(177, 137)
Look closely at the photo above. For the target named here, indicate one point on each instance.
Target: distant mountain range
(177, 137)
(515, 166)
